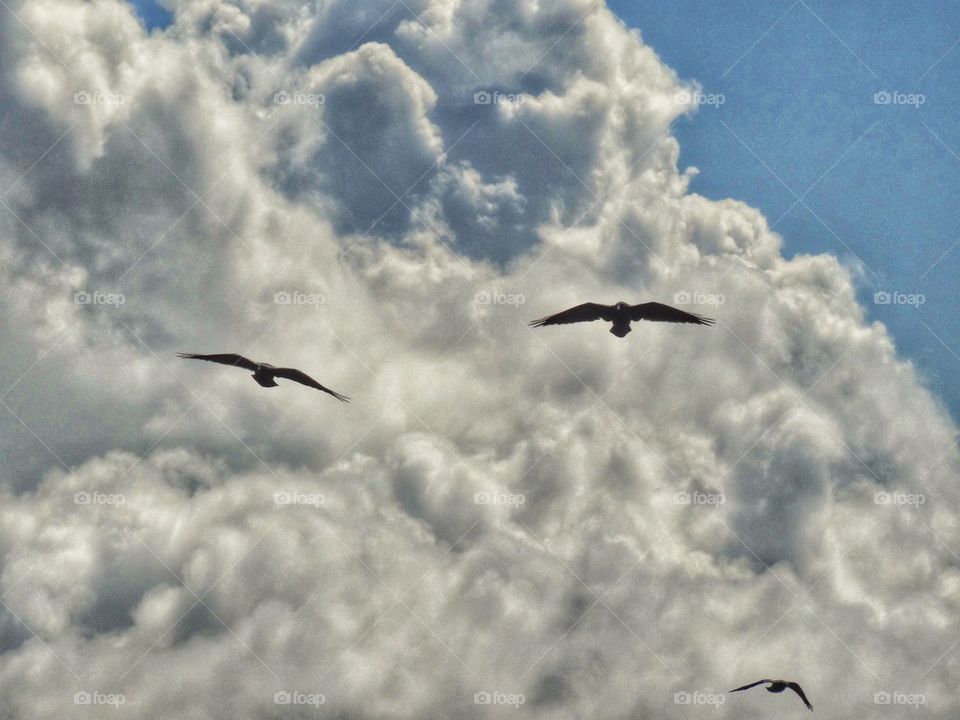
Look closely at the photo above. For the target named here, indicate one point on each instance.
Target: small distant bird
(265, 373)
(777, 686)
(621, 315)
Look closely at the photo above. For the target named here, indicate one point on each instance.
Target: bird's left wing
(747, 687)
(658, 312)
(223, 359)
(799, 691)
(581, 313)
(304, 379)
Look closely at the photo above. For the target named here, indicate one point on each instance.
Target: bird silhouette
(264, 373)
(621, 315)
(778, 686)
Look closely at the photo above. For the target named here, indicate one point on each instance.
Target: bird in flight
(621, 315)
(265, 373)
(777, 686)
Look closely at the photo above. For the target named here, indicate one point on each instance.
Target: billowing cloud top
(505, 522)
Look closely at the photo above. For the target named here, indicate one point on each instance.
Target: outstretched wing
(747, 687)
(580, 313)
(799, 691)
(658, 312)
(223, 359)
(304, 379)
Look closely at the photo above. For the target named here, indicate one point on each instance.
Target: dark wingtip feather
(538, 323)
(334, 393)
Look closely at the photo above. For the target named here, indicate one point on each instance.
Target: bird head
(621, 306)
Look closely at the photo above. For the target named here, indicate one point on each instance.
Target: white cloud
(590, 523)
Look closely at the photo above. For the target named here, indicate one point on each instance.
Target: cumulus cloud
(546, 523)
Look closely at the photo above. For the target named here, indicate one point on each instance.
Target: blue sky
(878, 183)
(800, 137)
(152, 14)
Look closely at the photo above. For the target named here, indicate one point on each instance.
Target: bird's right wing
(580, 313)
(658, 312)
(223, 359)
(799, 691)
(304, 379)
(747, 687)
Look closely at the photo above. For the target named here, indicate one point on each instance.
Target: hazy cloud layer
(561, 523)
